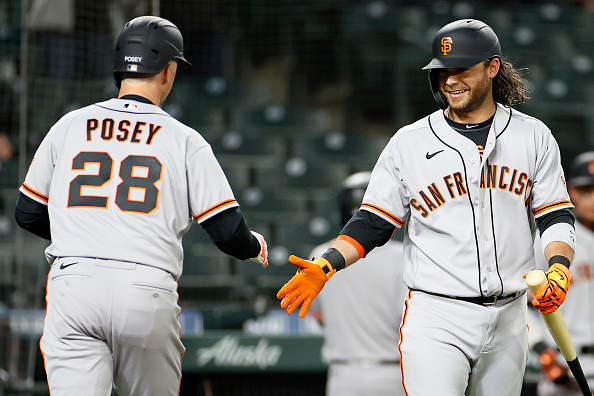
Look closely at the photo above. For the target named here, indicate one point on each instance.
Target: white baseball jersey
(363, 304)
(362, 308)
(125, 174)
(470, 219)
(578, 306)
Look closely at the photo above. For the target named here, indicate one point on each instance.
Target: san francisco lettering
(493, 177)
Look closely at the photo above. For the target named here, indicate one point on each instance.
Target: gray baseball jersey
(122, 181)
(470, 233)
(111, 170)
(363, 304)
(470, 218)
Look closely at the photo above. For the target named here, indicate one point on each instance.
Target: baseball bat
(536, 281)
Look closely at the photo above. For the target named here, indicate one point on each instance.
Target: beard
(478, 95)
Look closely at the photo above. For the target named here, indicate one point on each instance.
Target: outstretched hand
(305, 285)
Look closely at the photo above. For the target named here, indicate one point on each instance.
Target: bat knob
(536, 280)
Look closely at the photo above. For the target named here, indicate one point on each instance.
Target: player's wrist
(326, 267)
(559, 259)
(335, 258)
(262, 257)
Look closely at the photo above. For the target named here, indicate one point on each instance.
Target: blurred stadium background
(293, 95)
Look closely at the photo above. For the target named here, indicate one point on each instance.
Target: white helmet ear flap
(434, 84)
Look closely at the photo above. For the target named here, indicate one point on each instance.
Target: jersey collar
(137, 98)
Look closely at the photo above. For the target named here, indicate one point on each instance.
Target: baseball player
(115, 186)
(470, 182)
(360, 306)
(578, 308)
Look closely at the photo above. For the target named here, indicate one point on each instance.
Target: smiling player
(471, 183)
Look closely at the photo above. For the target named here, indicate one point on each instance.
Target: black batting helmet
(460, 44)
(581, 172)
(146, 45)
(351, 196)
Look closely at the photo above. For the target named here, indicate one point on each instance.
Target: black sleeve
(32, 216)
(558, 216)
(368, 229)
(230, 233)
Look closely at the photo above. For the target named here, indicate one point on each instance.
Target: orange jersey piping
(383, 212)
(400, 341)
(36, 193)
(214, 208)
(553, 205)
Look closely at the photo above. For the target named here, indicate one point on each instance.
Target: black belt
(588, 349)
(378, 362)
(485, 301)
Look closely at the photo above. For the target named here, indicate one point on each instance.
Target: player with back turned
(115, 186)
(471, 183)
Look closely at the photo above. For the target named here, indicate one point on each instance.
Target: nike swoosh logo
(469, 126)
(62, 266)
(429, 156)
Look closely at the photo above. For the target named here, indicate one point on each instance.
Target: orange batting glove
(305, 285)
(553, 295)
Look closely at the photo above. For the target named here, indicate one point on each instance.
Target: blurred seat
(237, 149)
(300, 239)
(566, 87)
(499, 17)
(9, 176)
(8, 199)
(384, 41)
(207, 273)
(268, 206)
(570, 130)
(358, 152)
(280, 120)
(218, 92)
(298, 177)
(239, 177)
(444, 12)
(370, 31)
(205, 104)
(579, 23)
(537, 33)
(208, 123)
(328, 206)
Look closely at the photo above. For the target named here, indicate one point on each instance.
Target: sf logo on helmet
(446, 45)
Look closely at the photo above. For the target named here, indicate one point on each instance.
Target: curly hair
(508, 87)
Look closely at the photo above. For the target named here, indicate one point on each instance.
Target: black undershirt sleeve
(558, 216)
(368, 229)
(32, 216)
(230, 233)
(372, 231)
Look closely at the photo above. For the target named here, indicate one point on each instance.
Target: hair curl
(508, 86)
